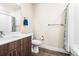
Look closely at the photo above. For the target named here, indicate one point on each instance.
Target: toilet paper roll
(42, 37)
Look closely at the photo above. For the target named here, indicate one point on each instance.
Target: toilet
(35, 45)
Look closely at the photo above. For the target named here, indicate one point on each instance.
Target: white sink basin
(12, 35)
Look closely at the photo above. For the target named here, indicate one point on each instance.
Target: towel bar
(55, 24)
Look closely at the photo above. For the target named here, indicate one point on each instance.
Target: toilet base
(35, 49)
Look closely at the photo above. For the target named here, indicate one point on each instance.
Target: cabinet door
(15, 48)
(3, 50)
(28, 48)
(18, 47)
(11, 46)
(12, 49)
(22, 47)
(25, 46)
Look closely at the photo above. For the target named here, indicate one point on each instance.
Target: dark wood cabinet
(21, 47)
(26, 48)
(29, 46)
(3, 50)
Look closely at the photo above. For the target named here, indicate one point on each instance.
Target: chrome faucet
(1, 34)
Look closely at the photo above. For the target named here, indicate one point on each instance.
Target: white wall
(26, 10)
(45, 14)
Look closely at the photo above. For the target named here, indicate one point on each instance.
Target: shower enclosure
(72, 29)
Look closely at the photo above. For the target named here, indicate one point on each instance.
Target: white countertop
(10, 37)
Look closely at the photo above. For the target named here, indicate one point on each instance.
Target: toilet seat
(36, 42)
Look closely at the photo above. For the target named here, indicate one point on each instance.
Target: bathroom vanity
(16, 45)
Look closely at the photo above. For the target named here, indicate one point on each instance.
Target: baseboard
(53, 48)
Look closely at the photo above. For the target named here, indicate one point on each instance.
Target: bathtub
(75, 50)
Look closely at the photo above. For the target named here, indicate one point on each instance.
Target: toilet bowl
(35, 45)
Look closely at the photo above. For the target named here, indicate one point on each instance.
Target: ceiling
(10, 6)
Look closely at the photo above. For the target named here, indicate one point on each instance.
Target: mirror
(5, 23)
(8, 16)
